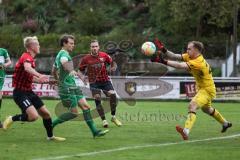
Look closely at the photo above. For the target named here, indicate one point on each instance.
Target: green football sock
(89, 121)
(64, 117)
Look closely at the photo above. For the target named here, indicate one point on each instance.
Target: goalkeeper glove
(160, 45)
(158, 58)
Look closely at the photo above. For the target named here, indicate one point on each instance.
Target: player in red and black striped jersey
(94, 64)
(30, 104)
(22, 80)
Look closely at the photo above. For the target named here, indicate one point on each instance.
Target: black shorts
(97, 87)
(24, 99)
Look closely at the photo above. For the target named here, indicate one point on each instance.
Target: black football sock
(48, 125)
(20, 117)
(100, 109)
(113, 103)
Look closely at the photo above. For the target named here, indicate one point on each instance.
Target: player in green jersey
(71, 94)
(5, 62)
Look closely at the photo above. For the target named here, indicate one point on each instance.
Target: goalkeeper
(194, 62)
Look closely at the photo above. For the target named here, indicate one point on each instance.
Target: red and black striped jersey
(23, 80)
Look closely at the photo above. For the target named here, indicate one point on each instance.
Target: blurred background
(126, 24)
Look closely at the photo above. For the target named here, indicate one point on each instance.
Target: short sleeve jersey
(200, 70)
(23, 80)
(96, 67)
(65, 79)
(3, 56)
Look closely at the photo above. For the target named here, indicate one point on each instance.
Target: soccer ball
(148, 48)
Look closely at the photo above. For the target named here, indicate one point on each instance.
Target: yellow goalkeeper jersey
(200, 70)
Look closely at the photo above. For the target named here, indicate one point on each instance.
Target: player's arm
(175, 64)
(113, 66)
(37, 77)
(163, 50)
(82, 70)
(28, 68)
(179, 65)
(82, 77)
(8, 62)
(172, 56)
(55, 72)
(68, 66)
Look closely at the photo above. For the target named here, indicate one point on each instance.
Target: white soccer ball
(148, 48)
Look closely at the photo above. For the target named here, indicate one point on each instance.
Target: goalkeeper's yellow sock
(189, 122)
(218, 116)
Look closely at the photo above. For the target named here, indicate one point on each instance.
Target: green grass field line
(137, 147)
(148, 132)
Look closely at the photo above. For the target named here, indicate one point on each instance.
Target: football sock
(186, 131)
(20, 117)
(113, 103)
(64, 117)
(191, 118)
(48, 125)
(218, 116)
(100, 109)
(89, 121)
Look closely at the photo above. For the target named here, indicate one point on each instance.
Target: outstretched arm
(179, 65)
(170, 55)
(37, 77)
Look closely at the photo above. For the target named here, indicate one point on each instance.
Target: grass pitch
(148, 132)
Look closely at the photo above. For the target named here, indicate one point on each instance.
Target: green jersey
(68, 91)
(65, 80)
(3, 56)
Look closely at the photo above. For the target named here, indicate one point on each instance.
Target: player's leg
(47, 122)
(88, 118)
(29, 113)
(96, 94)
(191, 118)
(70, 103)
(99, 107)
(109, 91)
(198, 101)
(217, 116)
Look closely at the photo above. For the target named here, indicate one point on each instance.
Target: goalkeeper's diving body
(71, 94)
(194, 62)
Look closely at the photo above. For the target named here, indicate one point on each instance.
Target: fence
(146, 88)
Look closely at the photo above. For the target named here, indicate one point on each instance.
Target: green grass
(146, 123)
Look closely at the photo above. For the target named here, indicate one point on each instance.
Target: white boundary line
(136, 147)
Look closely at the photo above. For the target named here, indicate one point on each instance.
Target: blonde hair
(28, 40)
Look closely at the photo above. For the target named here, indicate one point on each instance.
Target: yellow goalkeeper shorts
(204, 97)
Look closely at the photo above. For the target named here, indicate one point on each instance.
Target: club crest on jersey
(101, 59)
(131, 87)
